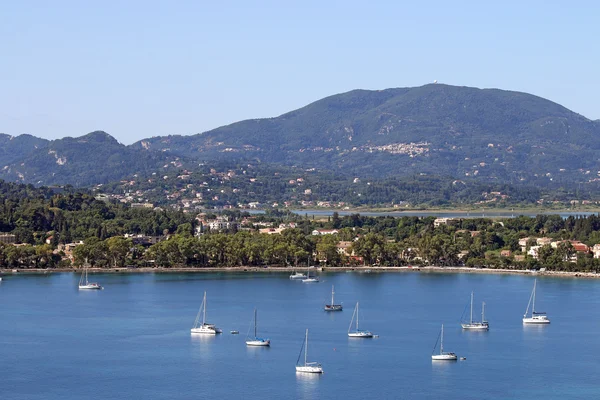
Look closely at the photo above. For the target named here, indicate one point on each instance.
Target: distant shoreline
(361, 269)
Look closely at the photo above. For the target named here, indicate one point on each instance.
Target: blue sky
(137, 69)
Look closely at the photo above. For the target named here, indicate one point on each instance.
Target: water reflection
(307, 385)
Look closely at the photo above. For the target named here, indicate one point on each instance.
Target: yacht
(442, 356)
(537, 317)
(200, 325)
(84, 284)
(483, 325)
(307, 367)
(255, 340)
(297, 275)
(357, 333)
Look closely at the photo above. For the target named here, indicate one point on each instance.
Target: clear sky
(137, 69)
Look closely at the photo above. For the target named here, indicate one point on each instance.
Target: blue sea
(132, 340)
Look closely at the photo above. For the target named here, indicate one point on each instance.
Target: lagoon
(132, 339)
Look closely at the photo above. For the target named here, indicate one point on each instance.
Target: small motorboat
(234, 332)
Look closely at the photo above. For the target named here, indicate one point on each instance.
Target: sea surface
(132, 340)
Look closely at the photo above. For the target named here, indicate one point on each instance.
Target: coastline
(360, 269)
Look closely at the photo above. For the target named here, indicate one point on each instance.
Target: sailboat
(473, 325)
(333, 306)
(201, 326)
(537, 317)
(297, 275)
(84, 284)
(308, 279)
(309, 367)
(442, 356)
(256, 341)
(357, 333)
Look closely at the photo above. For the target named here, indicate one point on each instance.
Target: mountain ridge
(459, 131)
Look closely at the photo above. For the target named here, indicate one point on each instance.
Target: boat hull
(536, 321)
(309, 369)
(206, 330)
(334, 307)
(477, 326)
(310, 280)
(444, 357)
(93, 286)
(258, 342)
(297, 277)
(360, 334)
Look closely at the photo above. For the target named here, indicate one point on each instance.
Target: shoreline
(360, 269)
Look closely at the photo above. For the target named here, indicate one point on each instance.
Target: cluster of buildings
(576, 246)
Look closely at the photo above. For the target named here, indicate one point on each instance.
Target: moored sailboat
(537, 317)
(333, 306)
(474, 325)
(310, 279)
(357, 333)
(308, 367)
(200, 325)
(442, 356)
(84, 284)
(256, 341)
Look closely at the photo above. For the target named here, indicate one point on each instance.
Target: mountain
(14, 148)
(468, 133)
(435, 128)
(91, 159)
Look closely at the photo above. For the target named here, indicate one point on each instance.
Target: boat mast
(357, 316)
(471, 307)
(255, 322)
(482, 311)
(533, 304)
(306, 347)
(332, 303)
(442, 341)
(204, 309)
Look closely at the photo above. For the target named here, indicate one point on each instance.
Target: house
(523, 243)
(596, 250)
(442, 221)
(505, 253)
(221, 223)
(543, 241)
(318, 232)
(533, 251)
(271, 231)
(345, 248)
(8, 238)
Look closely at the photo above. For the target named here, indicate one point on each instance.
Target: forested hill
(87, 160)
(480, 134)
(439, 129)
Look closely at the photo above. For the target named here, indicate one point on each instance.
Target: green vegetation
(47, 223)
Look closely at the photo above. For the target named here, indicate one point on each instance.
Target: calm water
(132, 340)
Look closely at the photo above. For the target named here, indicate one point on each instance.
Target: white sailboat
(200, 326)
(357, 333)
(308, 367)
(442, 356)
(256, 341)
(333, 306)
(474, 325)
(308, 279)
(297, 276)
(537, 317)
(84, 284)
